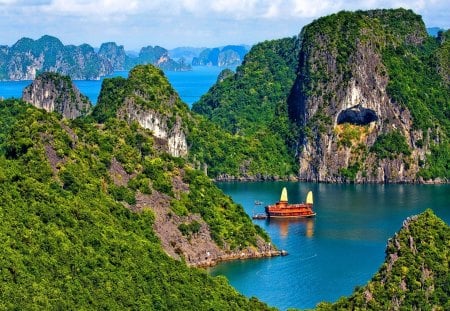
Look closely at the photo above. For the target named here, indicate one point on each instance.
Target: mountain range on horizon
(25, 59)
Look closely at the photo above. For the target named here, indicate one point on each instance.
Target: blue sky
(136, 23)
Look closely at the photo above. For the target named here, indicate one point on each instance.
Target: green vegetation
(251, 104)
(390, 145)
(223, 153)
(415, 65)
(415, 274)
(415, 83)
(67, 238)
(437, 163)
(418, 80)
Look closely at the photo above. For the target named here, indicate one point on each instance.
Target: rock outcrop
(159, 57)
(158, 123)
(113, 56)
(341, 100)
(147, 98)
(56, 93)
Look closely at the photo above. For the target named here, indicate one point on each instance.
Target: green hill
(415, 274)
(82, 208)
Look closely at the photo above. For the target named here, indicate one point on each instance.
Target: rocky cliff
(113, 55)
(27, 57)
(344, 99)
(56, 93)
(147, 98)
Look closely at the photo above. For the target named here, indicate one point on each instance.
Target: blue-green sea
(342, 247)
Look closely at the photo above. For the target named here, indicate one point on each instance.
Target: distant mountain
(230, 55)
(186, 53)
(27, 58)
(113, 54)
(159, 57)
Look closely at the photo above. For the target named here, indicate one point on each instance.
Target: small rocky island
(57, 93)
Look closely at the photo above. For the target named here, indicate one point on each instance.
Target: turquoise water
(190, 85)
(329, 255)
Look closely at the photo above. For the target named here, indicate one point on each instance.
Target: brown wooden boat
(283, 209)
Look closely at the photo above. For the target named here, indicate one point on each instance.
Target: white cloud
(186, 22)
(91, 8)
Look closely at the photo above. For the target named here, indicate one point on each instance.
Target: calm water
(331, 254)
(190, 85)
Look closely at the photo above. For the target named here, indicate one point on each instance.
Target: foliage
(146, 85)
(437, 162)
(390, 145)
(252, 102)
(67, 240)
(349, 173)
(188, 229)
(415, 83)
(415, 274)
(259, 154)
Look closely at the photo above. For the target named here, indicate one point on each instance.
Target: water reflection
(304, 226)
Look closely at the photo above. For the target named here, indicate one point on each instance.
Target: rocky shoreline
(260, 178)
(242, 255)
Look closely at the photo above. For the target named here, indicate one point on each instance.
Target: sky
(198, 23)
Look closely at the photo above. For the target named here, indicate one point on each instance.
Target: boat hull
(284, 210)
(291, 216)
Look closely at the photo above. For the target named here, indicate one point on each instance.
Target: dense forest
(252, 102)
(69, 240)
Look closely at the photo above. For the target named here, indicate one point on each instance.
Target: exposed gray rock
(344, 112)
(56, 93)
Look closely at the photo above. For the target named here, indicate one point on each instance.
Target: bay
(342, 247)
(190, 85)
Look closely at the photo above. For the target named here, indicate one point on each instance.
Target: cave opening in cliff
(357, 115)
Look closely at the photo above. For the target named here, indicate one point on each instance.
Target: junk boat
(283, 209)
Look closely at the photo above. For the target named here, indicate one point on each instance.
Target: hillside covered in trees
(81, 203)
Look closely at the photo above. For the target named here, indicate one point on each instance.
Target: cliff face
(28, 57)
(56, 93)
(158, 123)
(114, 55)
(147, 98)
(341, 100)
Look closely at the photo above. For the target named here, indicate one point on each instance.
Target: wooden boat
(282, 209)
